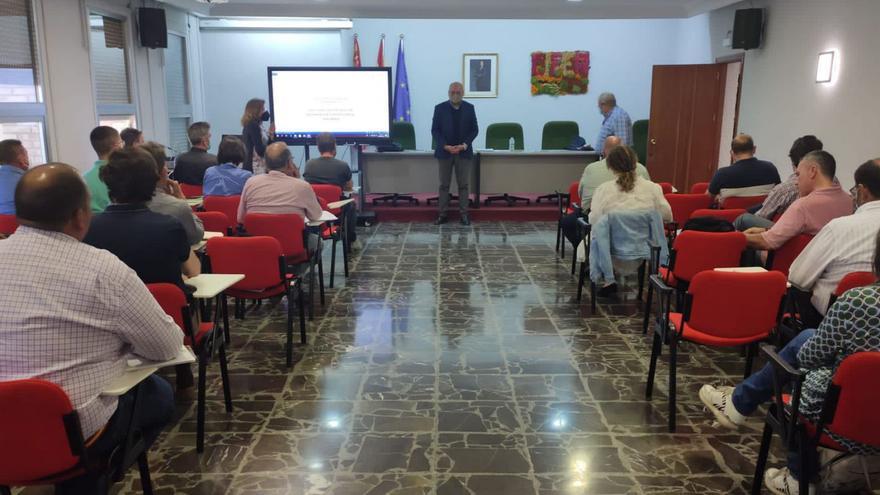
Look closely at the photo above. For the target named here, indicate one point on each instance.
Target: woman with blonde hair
(255, 139)
(628, 191)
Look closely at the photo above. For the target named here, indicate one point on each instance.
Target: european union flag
(401, 89)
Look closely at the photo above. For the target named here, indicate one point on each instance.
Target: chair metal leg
(333, 261)
(643, 268)
(593, 297)
(200, 405)
(648, 306)
(573, 259)
(673, 357)
(312, 291)
(562, 249)
(750, 358)
(289, 329)
(224, 377)
(225, 309)
(144, 469)
(321, 280)
(302, 315)
(581, 276)
(558, 234)
(807, 462)
(652, 367)
(346, 254)
(763, 452)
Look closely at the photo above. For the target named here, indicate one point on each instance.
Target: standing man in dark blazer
(454, 128)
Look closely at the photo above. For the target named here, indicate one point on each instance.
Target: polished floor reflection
(454, 360)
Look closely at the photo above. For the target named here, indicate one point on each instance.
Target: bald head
(278, 156)
(742, 146)
(53, 197)
(611, 142)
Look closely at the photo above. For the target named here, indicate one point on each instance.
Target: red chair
(191, 190)
(8, 224)
(741, 202)
(228, 205)
(214, 221)
(729, 215)
(849, 411)
(338, 230)
(694, 252)
(780, 259)
(851, 281)
(289, 230)
(683, 205)
(700, 188)
(203, 340)
(721, 309)
(667, 187)
(264, 266)
(43, 443)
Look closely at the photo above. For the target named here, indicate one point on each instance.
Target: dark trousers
(351, 217)
(570, 228)
(462, 167)
(155, 409)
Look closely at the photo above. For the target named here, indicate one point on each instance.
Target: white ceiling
(471, 9)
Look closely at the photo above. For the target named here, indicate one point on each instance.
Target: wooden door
(685, 123)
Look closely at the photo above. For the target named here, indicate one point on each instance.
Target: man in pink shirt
(821, 200)
(280, 190)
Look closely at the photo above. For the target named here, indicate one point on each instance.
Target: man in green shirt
(104, 140)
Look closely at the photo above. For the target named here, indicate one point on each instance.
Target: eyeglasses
(854, 189)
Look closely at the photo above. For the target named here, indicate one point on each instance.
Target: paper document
(339, 204)
(183, 357)
(743, 269)
(209, 235)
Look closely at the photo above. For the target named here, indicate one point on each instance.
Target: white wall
(780, 98)
(622, 54)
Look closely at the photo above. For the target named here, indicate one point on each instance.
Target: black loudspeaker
(747, 27)
(154, 33)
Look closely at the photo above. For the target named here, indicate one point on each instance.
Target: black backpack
(708, 224)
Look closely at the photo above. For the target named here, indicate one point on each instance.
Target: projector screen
(354, 104)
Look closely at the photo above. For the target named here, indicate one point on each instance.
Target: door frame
(728, 59)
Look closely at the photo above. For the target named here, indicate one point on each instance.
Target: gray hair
(608, 99)
(198, 131)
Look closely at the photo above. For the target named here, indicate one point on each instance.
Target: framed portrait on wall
(480, 75)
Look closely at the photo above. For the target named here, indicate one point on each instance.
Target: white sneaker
(718, 401)
(781, 482)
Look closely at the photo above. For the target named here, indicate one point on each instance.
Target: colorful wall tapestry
(560, 73)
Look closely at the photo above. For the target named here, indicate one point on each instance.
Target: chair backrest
(172, 300)
(191, 190)
(329, 193)
(855, 414)
(729, 214)
(697, 252)
(735, 305)
(781, 259)
(287, 228)
(8, 224)
(699, 188)
(39, 430)
(666, 187)
(684, 204)
(853, 280)
(741, 202)
(213, 221)
(404, 134)
(224, 204)
(558, 134)
(258, 258)
(574, 193)
(640, 140)
(498, 136)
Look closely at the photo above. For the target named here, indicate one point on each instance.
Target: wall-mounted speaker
(748, 25)
(153, 31)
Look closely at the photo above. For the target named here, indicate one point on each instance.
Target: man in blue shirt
(616, 122)
(13, 163)
(227, 179)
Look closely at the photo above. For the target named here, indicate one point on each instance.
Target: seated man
(849, 328)
(748, 176)
(784, 193)
(844, 245)
(169, 199)
(72, 313)
(821, 201)
(594, 175)
(104, 140)
(13, 164)
(190, 167)
(227, 178)
(280, 190)
(326, 169)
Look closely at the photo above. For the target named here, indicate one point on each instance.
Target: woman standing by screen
(254, 137)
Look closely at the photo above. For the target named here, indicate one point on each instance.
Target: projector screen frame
(339, 139)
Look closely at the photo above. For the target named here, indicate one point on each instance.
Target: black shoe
(608, 290)
(465, 220)
(440, 220)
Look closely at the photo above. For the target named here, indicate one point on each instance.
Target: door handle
(653, 141)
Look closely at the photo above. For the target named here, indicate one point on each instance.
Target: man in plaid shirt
(616, 122)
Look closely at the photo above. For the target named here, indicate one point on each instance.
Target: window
(22, 110)
(110, 70)
(177, 92)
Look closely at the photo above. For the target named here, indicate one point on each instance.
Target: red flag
(357, 53)
(380, 60)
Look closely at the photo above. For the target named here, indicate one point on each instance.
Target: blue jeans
(155, 409)
(758, 388)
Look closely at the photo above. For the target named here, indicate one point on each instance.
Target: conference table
(494, 171)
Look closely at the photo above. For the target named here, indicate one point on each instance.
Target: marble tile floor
(454, 360)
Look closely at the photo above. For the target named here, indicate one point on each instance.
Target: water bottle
(510, 144)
